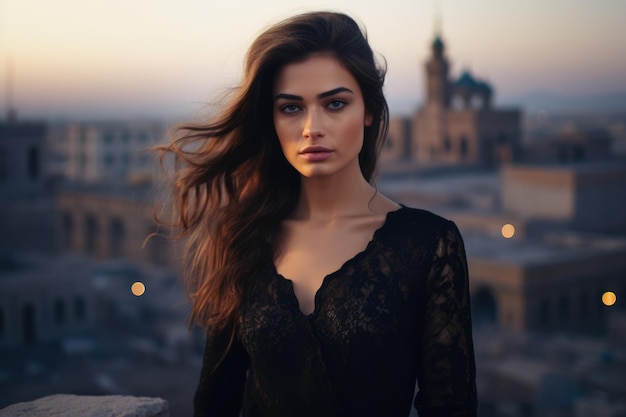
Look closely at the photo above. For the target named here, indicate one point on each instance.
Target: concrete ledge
(89, 406)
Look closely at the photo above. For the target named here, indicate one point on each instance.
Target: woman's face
(319, 116)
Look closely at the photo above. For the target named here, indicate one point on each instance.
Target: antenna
(11, 114)
(438, 26)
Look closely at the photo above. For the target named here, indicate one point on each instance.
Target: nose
(312, 125)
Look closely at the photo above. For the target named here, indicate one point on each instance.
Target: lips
(315, 153)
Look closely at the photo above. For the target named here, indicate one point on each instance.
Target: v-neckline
(375, 237)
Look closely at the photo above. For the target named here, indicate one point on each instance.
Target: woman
(320, 296)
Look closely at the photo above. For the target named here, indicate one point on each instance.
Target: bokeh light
(138, 289)
(609, 298)
(508, 230)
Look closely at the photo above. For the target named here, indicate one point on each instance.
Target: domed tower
(437, 75)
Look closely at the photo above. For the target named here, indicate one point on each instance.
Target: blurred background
(508, 117)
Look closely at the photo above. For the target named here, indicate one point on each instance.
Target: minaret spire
(438, 23)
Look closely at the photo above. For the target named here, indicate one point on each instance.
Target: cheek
(354, 130)
(283, 136)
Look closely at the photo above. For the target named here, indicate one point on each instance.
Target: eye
(336, 104)
(289, 108)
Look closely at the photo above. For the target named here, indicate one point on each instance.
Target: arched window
(457, 102)
(116, 237)
(91, 234)
(484, 307)
(464, 147)
(67, 229)
(447, 145)
(28, 323)
(477, 102)
(157, 248)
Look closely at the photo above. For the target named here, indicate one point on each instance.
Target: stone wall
(89, 406)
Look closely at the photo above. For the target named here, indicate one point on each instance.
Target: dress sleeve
(446, 371)
(220, 390)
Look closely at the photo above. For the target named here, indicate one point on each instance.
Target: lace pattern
(396, 312)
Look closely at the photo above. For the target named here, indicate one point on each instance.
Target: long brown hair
(233, 186)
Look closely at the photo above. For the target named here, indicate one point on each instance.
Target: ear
(368, 118)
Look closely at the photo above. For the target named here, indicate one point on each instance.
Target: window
(4, 164)
(458, 103)
(125, 160)
(82, 164)
(464, 147)
(59, 312)
(33, 163)
(578, 153)
(79, 308)
(143, 137)
(107, 137)
(68, 229)
(563, 309)
(91, 234)
(116, 237)
(477, 102)
(545, 318)
(28, 324)
(2, 322)
(109, 160)
(447, 146)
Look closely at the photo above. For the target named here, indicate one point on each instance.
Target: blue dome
(466, 80)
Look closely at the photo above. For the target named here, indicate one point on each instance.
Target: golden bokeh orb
(138, 289)
(609, 298)
(508, 230)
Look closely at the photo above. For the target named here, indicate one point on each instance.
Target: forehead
(315, 74)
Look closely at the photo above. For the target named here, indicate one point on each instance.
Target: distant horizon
(531, 102)
(158, 58)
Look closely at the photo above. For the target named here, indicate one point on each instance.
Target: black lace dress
(396, 312)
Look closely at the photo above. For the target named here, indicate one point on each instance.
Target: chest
(309, 254)
(376, 294)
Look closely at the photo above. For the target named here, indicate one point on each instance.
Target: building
(26, 204)
(568, 247)
(567, 146)
(32, 310)
(457, 124)
(21, 166)
(111, 221)
(94, 152)
(589, 197)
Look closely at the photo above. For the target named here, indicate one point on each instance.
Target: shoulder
(425, 229)
(415, 220)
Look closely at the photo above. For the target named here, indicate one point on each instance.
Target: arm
(446, 372)
(222, 378)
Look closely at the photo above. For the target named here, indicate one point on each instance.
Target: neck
(331, 197)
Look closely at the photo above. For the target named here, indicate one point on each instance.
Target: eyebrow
(319, 96)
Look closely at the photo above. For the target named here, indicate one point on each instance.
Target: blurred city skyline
(160, 58)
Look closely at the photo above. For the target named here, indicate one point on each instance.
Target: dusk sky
(129, 58)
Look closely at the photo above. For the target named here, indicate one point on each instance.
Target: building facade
(457, 123)
(109, 151)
